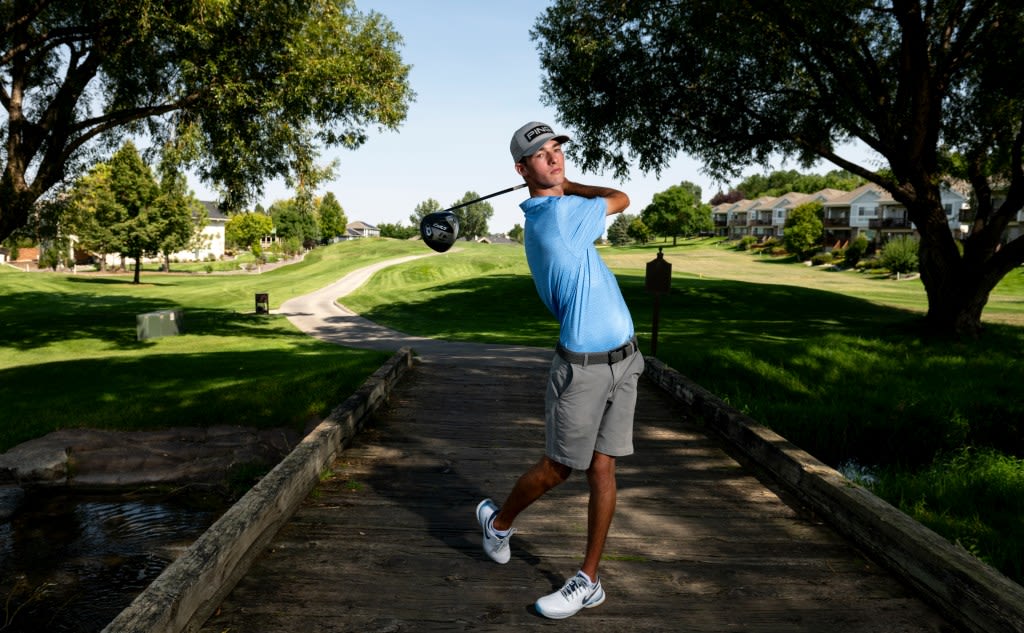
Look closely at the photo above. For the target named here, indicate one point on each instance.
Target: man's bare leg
(531, 485)
(601, 509)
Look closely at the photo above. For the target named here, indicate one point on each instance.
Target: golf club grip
(490, 195)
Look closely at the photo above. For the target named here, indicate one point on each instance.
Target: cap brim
(534, 148)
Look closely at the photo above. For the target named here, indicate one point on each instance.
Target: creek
(69, 563)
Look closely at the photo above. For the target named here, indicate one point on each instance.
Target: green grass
(831, 360)
(69, 355)
(973, 497)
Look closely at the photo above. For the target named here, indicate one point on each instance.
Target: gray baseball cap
(531, 137)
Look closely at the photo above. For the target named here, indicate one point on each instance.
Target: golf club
(440, 229)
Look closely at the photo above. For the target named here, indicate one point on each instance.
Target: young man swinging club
(591, 391)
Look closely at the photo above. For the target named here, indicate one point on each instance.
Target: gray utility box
(160, 323)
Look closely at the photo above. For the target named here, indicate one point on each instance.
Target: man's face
(545, 168)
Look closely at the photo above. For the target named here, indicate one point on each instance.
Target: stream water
(71, 563)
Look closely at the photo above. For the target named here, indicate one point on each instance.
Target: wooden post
(658, 282)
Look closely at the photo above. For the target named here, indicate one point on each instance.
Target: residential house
(720, 214)
(357, 230)
(871, 211)
(1015, 227)
(743, 215)
(759, 218)
(779, 209)
(211, 243)
(850, 214)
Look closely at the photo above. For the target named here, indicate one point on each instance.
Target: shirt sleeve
(583, 221)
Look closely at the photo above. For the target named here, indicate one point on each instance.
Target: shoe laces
(574, 586)
(493, 533)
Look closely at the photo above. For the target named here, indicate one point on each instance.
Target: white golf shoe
(495, 546)
(577, 593)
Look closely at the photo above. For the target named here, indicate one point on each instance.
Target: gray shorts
(590, 408)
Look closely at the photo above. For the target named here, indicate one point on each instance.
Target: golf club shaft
(490, 195)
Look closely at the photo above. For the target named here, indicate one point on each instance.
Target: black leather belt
(592, 358)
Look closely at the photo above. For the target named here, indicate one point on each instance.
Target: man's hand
(615, 200)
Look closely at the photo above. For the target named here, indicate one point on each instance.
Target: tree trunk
(15, 207)
(957, 313)
(957, 291)
(138, 269)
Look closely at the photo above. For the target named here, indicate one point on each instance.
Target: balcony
(889, 223)
(840, 221)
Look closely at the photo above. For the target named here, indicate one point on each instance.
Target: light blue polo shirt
(571, 279)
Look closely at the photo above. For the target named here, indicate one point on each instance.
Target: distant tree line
(123, 207)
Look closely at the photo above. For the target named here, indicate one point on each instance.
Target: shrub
(746, 243)
(803, 229)
(855, 251)
(820, 259)
(899, 255)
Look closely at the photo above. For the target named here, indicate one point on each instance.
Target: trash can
(262, 303)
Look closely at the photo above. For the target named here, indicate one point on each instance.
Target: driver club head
(439, 230)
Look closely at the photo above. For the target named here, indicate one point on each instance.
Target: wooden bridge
(389, 542)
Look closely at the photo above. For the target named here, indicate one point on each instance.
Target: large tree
(244, 90)
(134, 189)
(248, 229)
(331, 217)
(295, 223)
(473, 218)
(927, 86)
(180, 216)
(677, 211)
(428, 206)
(92, 212)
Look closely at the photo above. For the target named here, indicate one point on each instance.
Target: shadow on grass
(127, 280)
(34, 319)
(262, 388)
(840, 376)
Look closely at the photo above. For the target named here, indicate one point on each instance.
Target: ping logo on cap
(537, 131)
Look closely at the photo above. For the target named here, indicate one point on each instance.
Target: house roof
(359, 225)
(754, 205)
(788, 200)
(213, 212)
(848, 198)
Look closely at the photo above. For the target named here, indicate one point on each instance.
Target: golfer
(591, 391)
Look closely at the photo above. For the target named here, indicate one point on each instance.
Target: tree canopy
(422, 209)
(120, 207)
(134, 190)
(781, 182)
(677, 211)
(803, 229)
(473, 218)
(247, 229)
(922, 85)
(331, 216)
(240, 91)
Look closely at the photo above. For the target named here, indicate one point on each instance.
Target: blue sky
(477, 78)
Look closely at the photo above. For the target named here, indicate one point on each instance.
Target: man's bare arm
(615, 200)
